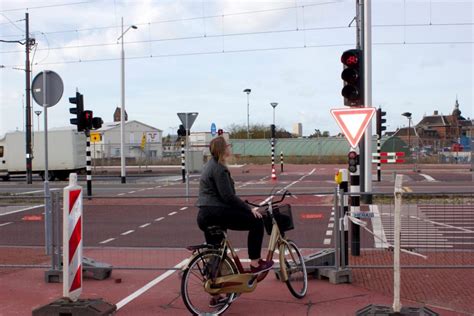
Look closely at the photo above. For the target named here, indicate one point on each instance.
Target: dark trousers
(234, 219)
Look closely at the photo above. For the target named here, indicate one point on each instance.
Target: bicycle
(211, 271)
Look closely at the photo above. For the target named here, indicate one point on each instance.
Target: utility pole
(29, 173)
(367, 27)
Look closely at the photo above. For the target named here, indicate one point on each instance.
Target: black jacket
(216, 187)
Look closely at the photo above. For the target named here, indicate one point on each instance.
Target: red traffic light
(352, 155)
(350, 58)
(220, 131)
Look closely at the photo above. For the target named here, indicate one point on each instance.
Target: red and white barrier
(388, 157)
(72, 239)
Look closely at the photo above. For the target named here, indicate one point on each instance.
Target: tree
(317, 133)
(257, 131)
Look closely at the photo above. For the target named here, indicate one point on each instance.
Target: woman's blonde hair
(217, 148)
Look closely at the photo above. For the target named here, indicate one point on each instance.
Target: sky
(199, 56)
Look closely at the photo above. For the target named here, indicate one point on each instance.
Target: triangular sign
(353, 122)
(187, 119)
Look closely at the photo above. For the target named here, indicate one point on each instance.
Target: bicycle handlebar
(270, 198)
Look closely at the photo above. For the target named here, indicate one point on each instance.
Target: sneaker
(262, 266)
(217, 301)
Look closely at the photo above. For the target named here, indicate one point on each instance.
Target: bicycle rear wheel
(195, 276)
(292, 261)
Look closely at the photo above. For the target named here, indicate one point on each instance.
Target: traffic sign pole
(355, 206)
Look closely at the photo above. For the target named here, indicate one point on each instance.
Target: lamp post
(274, 105)
(122, 107)
(38, 112)
(248, 113)
(408, 116)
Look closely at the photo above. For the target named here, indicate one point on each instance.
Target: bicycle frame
(244, 281)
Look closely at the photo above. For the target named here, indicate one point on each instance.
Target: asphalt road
(152, 212)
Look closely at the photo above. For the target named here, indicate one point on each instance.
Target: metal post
(88, 164)
(47, 193)
(337, 226)
(29, 171)
(183, 161)
(397, 238)
(273, 155)
(281, 161)
(187, 159)
(344, 206)
(248, 115)
(122, 115)
(367, 40)
(355, 208)
(379, 165)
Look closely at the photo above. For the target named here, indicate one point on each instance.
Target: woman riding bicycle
(220, 206)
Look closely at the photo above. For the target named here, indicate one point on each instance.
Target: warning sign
(96, 137)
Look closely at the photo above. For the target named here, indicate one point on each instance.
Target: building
(438, 131)
(298, 130)
(142, 141)
(201, 140)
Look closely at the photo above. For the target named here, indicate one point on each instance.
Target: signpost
(353, 123)
(187, 119)
(47, 89)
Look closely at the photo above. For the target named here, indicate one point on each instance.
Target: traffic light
(220, 132)
(273, 130)
(78, 110)
(181, 131)
(87, 119)
(97, 122)
(380, 121)
(353, 90)
(353, 161)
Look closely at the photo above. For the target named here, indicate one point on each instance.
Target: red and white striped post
(72, 239)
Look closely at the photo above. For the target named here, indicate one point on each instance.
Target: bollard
(281, 161)
(88, 164)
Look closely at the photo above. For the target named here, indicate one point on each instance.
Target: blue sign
(213, 129)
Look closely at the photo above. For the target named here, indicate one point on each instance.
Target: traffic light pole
(379, 165)
(88, 163)
(355, 207)
(183, 160)
(367, 49)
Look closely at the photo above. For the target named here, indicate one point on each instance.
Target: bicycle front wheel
(292, 261)
(196, 299)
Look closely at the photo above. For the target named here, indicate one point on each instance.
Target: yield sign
(188, 119)
(353, 122)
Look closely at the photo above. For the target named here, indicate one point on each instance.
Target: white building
(141, 141)
(298, 129)
(201, 140)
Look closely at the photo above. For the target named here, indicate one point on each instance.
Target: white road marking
(121, 194)
(327, 241)
(150, 188)
(141, 190)
(107, 241)
(427, 177)
(127, 232)
(331, 225)
(329, 233)
(5, 224)
(331, 219)
(131, 192)
(145, 225)
(150, 284)
(22, 210)
(158, 219)
(172, 213)
(183, 208)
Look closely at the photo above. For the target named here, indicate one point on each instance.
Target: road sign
(95, 137)
(143, 142)
(54, 88)
(353, 122)
(213, 129)
(187, 119)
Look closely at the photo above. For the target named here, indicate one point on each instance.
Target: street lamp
(38, 112)
(408, 116)
(274, 105)
(248, 115)
(122, 107)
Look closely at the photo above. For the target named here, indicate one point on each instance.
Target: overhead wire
(47, 6)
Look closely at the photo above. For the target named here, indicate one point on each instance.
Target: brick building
(438, 131)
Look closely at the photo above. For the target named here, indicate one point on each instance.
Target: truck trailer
(66, 154)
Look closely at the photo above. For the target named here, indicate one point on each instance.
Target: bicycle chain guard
(234, 283)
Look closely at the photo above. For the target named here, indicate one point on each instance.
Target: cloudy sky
(198, 55)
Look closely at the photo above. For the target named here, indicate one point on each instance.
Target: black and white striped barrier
(281, 161)
(355, 206)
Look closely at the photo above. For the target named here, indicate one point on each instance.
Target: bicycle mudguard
(234, 283)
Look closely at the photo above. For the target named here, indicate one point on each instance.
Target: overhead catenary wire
(47, 6)
(243, 34)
